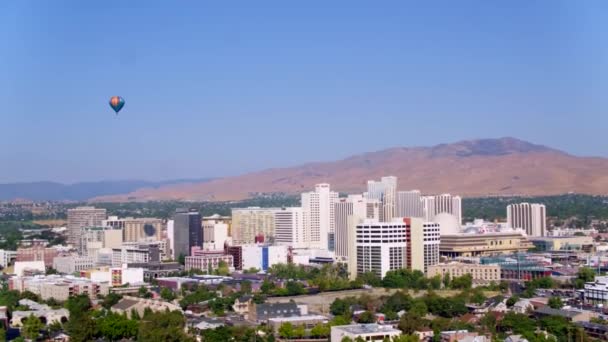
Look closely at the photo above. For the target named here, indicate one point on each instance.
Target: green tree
(366, 317)
(246, 286)
(115, 327)
(294, 288)
(340, 320)
(110, 300)
(512, 300)
(320, 330)
(464, 282)
(410, 323)
(299, 331)
(222, 268)
(53, 327)
(555, 303)
(446, 280)
(163, 326)
(81, 327)
(435, 282)
(286, 330)
(346, 339)
(488, 322)
(31, 327)
(267, 286)
(181, 259)
(167, 294)
(78, 305)
(418, 308)
(584, 275)
(2, 334)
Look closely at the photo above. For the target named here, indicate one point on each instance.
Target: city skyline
(227, 83)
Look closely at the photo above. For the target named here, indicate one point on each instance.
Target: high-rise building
(385, 191)
(531, 217)
(380, 246)
(137, 229)
(349, 212)
(289, 227)
(81, 217)
(444, 203)
(409, 204)
(372, 209)
(423, 241)
(215, 235)
(187, 232)
(318, 209)
(249, 223)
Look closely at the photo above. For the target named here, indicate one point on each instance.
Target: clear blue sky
(226, 88)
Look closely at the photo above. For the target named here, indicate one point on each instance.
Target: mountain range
(505, 166)
(52, 191)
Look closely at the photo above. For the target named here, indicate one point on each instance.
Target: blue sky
(230, 87)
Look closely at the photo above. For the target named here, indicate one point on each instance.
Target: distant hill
(41, 191)
(505, 166)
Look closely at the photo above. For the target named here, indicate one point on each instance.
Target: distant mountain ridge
(504, 166)
(53, 191)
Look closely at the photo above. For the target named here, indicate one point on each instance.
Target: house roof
(545, 310)
(124, 304)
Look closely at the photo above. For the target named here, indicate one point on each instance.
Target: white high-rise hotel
(386, 192)
(444, 203)
(349, 212)
(289, 227)
(318, 208)
(409, 204)
(531, 217)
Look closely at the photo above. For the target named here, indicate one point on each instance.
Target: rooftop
(362, 329)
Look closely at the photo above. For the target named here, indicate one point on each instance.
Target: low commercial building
(176, 283)
(129, 304)
(570, 315)
(58, 287)
(563, 243)
(262, 257)
(307, 321)
(45, 313)
(263, 312)
(116, 276)
(37, 252)
(596, 291)
(155, 270)
(7, 257)
(368, 332)
(72, 263)
(462, 336)
(23, 268)
(207, 260)
(483, 244)
(482, 274)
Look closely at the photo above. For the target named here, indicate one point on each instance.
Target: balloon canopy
(117, 102)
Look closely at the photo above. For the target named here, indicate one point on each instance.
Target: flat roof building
(368, 332)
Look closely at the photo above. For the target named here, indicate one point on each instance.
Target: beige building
(59, 287)
(482, 274)
(456, 245)
(81, 217)
(127, 304)
(247, 223)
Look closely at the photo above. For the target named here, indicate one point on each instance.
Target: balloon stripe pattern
(117, 102)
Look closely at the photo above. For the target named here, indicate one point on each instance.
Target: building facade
(423, 241)
(207, 260)
(132, 252)
(72, 263)
(409, 204)
(385, 191)
(531, 217)
(263, 256)
(444, 203)
(215, 235)
(481, 274)
(318, 209)
(380, 247)
(37, 252)
(289, 227)
(348, 213)
(248, 223)
(81, 217)
(187, 232)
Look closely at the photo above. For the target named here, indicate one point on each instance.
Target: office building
(597, 290)
(366, 332)
(215, 235)
(116, 276)
(262, 257)
(531, 217)
(81, 217)
(444, 203)
(7, 257)
(37, 252)
(58, 287)
(289, 227)
(372, 209)
(252, 222)
(318, 209)
(73, 263)
(207, 261)
(95, 238)
(481, 274)
(409, 204)
(423, 241)
(237, 256)
(563, 243)
(187, 233)
(135, 252)
(348, 213)
(384, 191)
(22, 268)
(137, 229)
(381, 246)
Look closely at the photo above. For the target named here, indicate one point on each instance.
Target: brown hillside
(504, 166)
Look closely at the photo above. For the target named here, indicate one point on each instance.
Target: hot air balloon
(117, 102)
